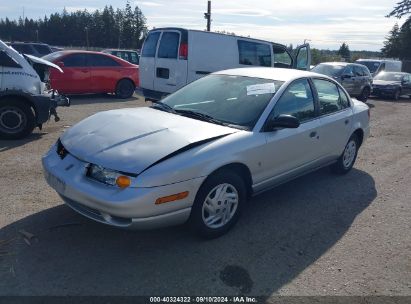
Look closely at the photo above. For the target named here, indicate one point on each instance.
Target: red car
(92, 72)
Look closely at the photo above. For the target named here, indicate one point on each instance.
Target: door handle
(313, 134)
(346, 121)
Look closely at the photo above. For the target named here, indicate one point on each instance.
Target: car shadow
(282, 233)
(7, 144)
(100, 98)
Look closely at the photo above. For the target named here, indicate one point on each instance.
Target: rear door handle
(346, 121)
(313, 134)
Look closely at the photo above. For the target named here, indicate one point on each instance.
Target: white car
(200, 153)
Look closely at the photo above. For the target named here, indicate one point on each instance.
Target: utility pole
(208, 16)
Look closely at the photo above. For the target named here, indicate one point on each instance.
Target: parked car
(25, 101)
(355, 78)
(202, 151)
(93, 72)
(378, 65)
(31, 48)
(174, 57)
(128, 55)
(392, 84)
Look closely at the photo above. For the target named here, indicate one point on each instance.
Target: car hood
(41, 61)
(385, 82)
(131, 140)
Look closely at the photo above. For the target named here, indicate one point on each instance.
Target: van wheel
(125, 88)
(347, 159)
(364, 94)
(218, 204)
(17, 120)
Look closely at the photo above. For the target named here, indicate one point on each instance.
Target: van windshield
(371, 65)
(233, 100)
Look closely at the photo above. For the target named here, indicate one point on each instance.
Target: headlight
(109, 177)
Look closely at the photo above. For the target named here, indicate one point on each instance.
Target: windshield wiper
(163, 106)
(201, 116)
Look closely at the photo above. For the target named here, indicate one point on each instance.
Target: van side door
(148, 60)
(171, 62)
(302, 59)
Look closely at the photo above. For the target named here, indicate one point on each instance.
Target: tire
(17, 119)
(347, 159)
(125, 88)
(364, 94)
(232, 188)
(397, 94)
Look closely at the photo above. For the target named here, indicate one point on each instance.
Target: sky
(325, 24)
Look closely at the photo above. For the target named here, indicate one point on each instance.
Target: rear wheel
(347, 159)
(364, 94)
(17, 119)
(125, 88)
(218, 204)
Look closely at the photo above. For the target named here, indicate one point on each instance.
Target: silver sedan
(201, 152)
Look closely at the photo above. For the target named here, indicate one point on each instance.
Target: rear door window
(150, 45)
(169, 45)
(358, 71)
(252, 53)
(344, 101)
(74, 60)
(96, 60)
(328, 96)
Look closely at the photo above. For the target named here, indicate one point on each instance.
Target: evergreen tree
(392, 45)
(344, 51)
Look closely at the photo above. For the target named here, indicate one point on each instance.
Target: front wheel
(347, 159)
(218, 204)
(17, 120)
(125, 88)
(365, 94)
(397, 94)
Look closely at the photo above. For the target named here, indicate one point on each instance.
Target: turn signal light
(171, 198)
(123, 181)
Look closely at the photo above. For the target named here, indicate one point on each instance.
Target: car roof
(119, 50)
(270, 73)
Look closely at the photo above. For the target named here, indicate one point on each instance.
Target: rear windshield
(150, 45)
(371, 65)
(329, 69)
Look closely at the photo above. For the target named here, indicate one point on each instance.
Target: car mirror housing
(282, 121)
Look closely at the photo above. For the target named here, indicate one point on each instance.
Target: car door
(170, 63)
(104, 73)
(359, 80)
(406, 86)
(75, 77)
(302, 60)
(289, 152)
(335, 116)
(347, 79)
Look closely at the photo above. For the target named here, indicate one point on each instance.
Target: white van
(378, 65)
(173, 57)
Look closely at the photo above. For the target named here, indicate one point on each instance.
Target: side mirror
(282, 121)
(60, 64)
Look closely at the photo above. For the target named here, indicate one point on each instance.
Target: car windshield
(389, 76)
(329, 69)
(231, 100)
(371, 65)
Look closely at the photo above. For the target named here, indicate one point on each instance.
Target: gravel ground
(318, 235)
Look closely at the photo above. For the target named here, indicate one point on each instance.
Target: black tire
(397, 94)
(364, 94)
(207, 189)
(125, 88)
(17, 119)
(342, 166)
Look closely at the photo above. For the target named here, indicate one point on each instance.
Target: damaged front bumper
(46, 104)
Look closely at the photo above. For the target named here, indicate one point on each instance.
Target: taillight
(183, 51)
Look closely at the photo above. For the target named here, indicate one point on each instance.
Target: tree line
(398, 42)
(106, 28)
